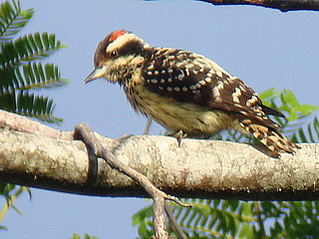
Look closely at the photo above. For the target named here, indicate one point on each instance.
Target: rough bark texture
(23, 124)
(282, 5)
(199, 168)
(96, 149)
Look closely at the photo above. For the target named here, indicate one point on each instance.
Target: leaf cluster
(86, 236)
(21, 68)
(238, 219)
(10, 193)
(22, 73)
(300, 124)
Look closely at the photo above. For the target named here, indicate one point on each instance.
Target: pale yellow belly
(194, 120)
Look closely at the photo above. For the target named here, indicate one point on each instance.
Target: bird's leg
(179, 136)
(148, 126)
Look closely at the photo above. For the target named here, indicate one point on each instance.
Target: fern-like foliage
(22, 72)
(28, 48)
(239, 219)
(286, 102)
(143, 220)
(10, 192)
(21, 69)
(86, 236)
(12, 20)
(30, 105)
(214, 218)
(308, 134)
(206, 219)
(30, 76)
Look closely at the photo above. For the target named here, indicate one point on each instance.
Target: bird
(185, 92)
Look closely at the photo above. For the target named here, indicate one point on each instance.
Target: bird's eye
(114, 53)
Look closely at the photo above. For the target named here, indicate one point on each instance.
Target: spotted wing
(192, 78)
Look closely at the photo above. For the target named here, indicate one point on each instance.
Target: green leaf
(28, 104)
(87, 236)
(10, 192)
(246, 209)
(143, 219)
(268, 94)
(12, 20)
(75, 236)
(141, 215)
(30, 76)
(3, 228)
(302, 135)
(307, 109)
(28, 48)
(289, 98)
(312, 135)
(243, 232)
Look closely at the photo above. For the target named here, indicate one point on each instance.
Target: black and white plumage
(185, 91)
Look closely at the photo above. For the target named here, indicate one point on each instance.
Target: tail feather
(276, 142)
(271, 111)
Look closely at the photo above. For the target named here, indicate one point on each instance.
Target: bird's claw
(179, 136)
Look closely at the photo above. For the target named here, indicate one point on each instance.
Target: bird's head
(115, 55)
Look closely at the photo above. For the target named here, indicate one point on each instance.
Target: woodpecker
(184, 91)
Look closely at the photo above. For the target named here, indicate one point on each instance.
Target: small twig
(177, 201)
(175, 226)
(260, 220)
(83, 132)
(148, 126)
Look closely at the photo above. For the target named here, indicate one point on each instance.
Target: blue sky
(264, 47)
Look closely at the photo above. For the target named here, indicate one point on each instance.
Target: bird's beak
(95, 74)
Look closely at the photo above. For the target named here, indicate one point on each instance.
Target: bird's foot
(179, 136)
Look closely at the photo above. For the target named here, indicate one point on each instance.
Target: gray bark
(199, 168)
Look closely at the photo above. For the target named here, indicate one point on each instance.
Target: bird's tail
(274, 141)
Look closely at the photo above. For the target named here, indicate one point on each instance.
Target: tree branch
(20, 123)
(83, 132)
(199, 168)
(282, 5)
